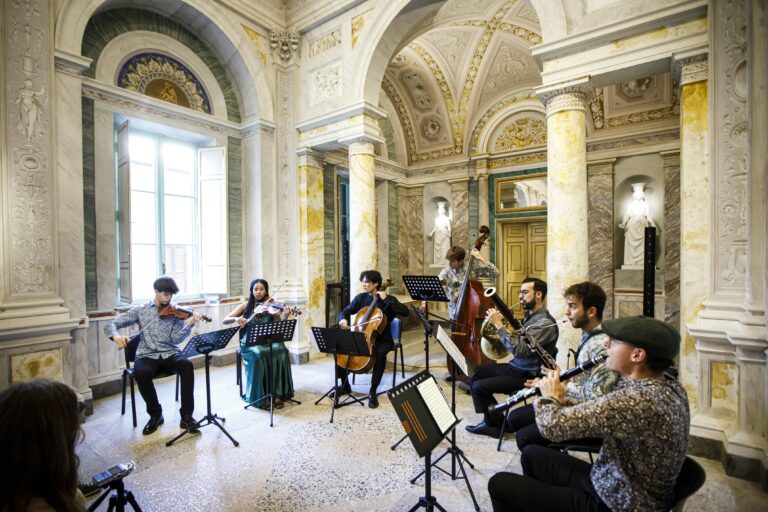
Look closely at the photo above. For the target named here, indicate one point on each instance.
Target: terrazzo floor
(306, 463)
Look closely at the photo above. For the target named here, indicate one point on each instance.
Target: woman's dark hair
(166, 284)
(252, 299)
(39, 426)
(372, 276)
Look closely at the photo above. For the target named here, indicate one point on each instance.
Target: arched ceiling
(475, 54)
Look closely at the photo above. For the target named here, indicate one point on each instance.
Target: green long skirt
(256, 374)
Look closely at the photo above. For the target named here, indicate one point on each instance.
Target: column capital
(573, 95)
(310, 157)
(596, 167)
(360, 145)
(670, 158)
(688, 68)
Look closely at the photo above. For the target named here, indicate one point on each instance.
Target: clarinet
(546, 359)
(526, 393)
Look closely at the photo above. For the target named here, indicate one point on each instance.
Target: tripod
(266, 334)
(205, 344)
(427, 501)
(119, 499)
(456, 453)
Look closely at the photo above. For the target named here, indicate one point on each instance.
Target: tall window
(171, 220)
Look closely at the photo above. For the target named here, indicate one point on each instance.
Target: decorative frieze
(325, 43)
(521, 133)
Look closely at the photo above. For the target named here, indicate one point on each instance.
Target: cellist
(391, 307)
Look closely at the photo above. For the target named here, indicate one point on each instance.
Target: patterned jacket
(644, 424)
(599, 380)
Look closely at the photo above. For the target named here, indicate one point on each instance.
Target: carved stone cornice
(410, 190)
(285, 45)
(600, 167)
(687, 69)
(310, 157)
(70, 63)
(568, 96)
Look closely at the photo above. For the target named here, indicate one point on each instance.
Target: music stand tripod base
(267, 334)
(118, 499)
(205, 344)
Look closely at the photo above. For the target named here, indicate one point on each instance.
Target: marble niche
(438, 225)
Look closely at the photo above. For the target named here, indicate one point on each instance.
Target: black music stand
(456, 453)
(426, 288)
(205, 344)
(424, 413)
(340, 342)
(263, 334)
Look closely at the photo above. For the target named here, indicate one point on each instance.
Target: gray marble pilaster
(410, 246)
(600, 228)
(671, 163)
(460, 204)
(104, 204)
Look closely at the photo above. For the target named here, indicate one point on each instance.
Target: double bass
(469, 314)
(372, 321)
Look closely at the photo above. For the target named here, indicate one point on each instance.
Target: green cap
(653, 336)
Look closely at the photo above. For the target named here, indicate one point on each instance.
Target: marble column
(483, 203)
(671, 166)
(259, 207)
(312, 242)
(460, 234)
(567, 226)
(35, 327)
(694, 213)
(410, 245)
(601, 227)
(362, 209)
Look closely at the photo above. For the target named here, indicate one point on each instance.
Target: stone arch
(229, 41)
(516, 103)
(126, 45)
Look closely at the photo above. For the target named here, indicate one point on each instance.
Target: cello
(469, 314)
(372, 321)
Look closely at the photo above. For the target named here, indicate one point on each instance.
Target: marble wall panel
(43, 364)
(89, 207)
(235, 215)
(330, 232)
(460, 234)
(104, 206)
(410, 245)
(105, 26)
(672, 237)
(392, 235)
(600, 197)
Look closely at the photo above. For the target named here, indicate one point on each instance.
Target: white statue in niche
(440, 235)
(635, 221)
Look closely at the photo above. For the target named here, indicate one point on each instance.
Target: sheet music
(437, 404)
(450, 347)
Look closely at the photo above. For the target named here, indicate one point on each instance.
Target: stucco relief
(325, 43)
(326, 84)
(417, 88)
(510, 68)
(732, 135)
(28, 113)
(521, 133)
(612, 107)
(430, 128)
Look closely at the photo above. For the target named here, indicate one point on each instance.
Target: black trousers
(522, 421)
(494, 378)
(145, 369)
(551, 480)
(381, 349)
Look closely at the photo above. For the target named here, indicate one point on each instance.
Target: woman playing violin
(391, 307)
(260, 308)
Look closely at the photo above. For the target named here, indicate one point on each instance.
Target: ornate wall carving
(731, 137)
(521, 133)
(637, 101)
(326, 84)
(28, 86)
(325, 43)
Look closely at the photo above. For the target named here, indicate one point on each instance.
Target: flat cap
(654, 336)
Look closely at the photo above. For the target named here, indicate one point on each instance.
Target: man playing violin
(391, 307)
(158, 350)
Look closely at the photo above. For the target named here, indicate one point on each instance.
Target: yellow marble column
(567, 228)
(362, 210)
(311, 236)
(694, 213)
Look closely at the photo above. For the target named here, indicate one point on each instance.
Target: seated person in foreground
(260, 308)
(584, 306)
(644, 424)
(511, 377)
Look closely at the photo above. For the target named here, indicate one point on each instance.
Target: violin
(271, 308)
(172, 310)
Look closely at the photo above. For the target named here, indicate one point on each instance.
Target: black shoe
(88, 488)
(484, 430)
(152, 424)
(373, 402)
(189, 423)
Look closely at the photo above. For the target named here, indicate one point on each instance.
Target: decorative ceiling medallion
(431, 128)
(521, 133)
(164, 78)
(600, 121)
